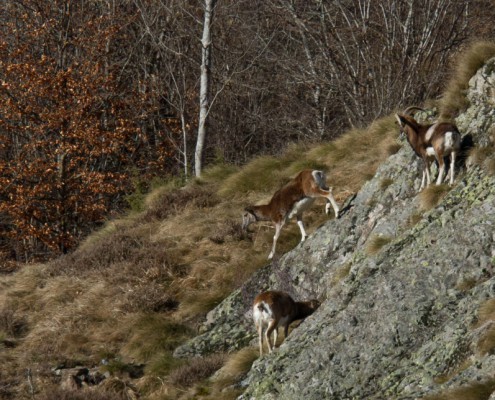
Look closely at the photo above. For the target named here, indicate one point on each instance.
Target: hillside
(407, 282)
(156, 304)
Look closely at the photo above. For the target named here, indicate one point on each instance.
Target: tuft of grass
(486, 344)
(454, 98)
(432, 195)
(471, 391)
(413, 219)
(80, 394)
(153, 335)
(478, 155)
(484, 156)
(376, 243)
(466, 284)
(218, 173)
(393, 148)
(11, 324)
(196, 370)
(348, 170)
(341, 273)
(198, 303)
(228, 230)
(486, 313)
(385, 183)
(236, 367)
(263, 174)
(462, 366)
(163, 203)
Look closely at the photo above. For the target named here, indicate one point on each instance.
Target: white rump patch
(264, 315)
(449, 140)
(430, 151)
(429, 132)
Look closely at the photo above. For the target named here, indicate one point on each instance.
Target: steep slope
(403, 286)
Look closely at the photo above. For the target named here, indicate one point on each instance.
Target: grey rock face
(396, 323)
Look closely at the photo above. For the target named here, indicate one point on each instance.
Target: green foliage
(135, 200)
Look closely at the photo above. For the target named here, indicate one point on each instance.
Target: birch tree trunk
(204, 101)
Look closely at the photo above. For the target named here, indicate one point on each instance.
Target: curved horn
(411, 108)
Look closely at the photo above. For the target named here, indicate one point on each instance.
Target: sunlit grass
(469, 61)
(432, 195)
(376, 243)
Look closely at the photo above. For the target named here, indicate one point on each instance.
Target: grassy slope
(141, 285)
(136, 289)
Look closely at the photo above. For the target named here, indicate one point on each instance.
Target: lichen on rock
(396, 323)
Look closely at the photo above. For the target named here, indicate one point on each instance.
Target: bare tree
(204, 101)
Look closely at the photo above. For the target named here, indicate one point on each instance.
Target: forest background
(100, 99)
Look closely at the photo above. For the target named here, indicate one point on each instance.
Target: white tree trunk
(204, 101)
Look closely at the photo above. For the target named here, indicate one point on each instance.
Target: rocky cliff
(403, 278)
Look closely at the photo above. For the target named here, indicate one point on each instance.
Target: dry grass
(432, 195)
(486, 312)
(486, 344)
(484, 156)
(376, 243)
(345, 172)
(369, 146)
(341, 273)
(472, 391)
(162, 203)
(413, 219)
(237, 366)
(196, 370)
(453, 372)
(454, 98)
(154, 335)
(222, 385)
(466, 284)
(385, 183)
(86, 394)
(137, 288)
